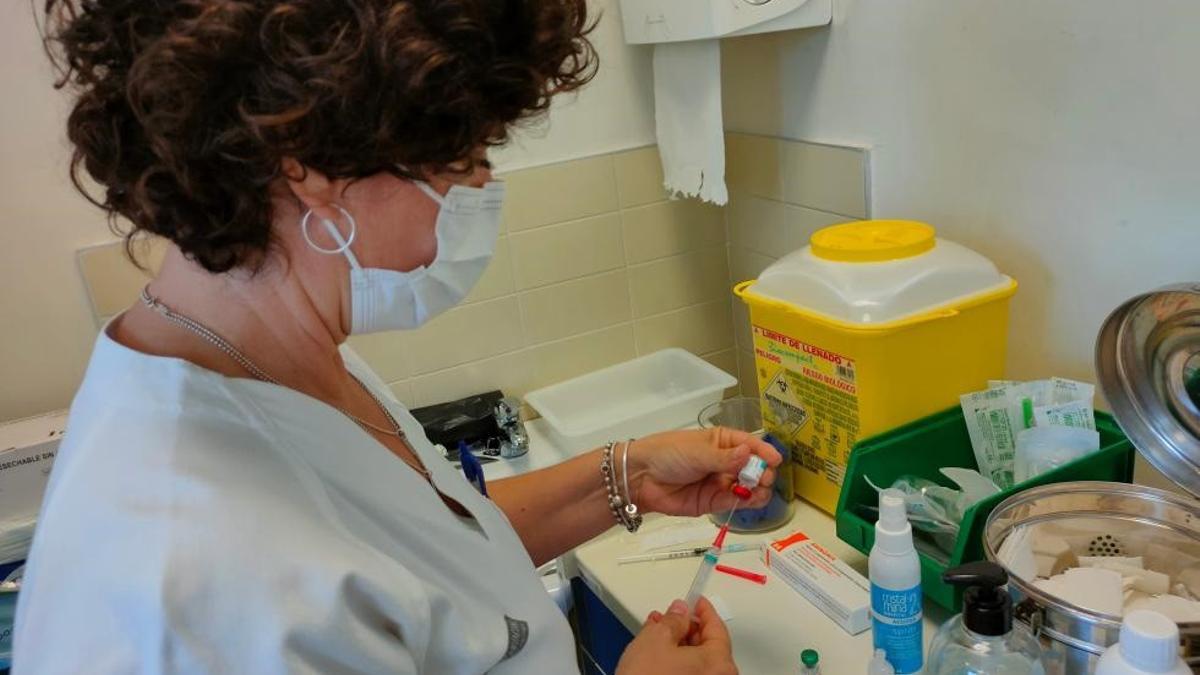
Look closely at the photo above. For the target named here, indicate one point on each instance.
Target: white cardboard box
(27, 450)
(815, 572)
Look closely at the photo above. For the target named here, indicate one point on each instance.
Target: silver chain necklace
(211, 337)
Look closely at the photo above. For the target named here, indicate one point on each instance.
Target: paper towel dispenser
(649, 21)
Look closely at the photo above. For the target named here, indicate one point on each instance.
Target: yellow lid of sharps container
(873, 240)
(878, 272)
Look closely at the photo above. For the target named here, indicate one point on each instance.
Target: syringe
(707, 564)
(747, 480)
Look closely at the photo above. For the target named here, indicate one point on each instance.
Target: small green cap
(809, 657)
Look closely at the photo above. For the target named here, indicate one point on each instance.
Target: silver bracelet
(615, 501)
(610, 483)
(633, 518)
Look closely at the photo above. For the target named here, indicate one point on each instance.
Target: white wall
(1060, 138)
(46, 330)
(614, 112)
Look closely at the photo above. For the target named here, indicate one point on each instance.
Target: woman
(237, 493)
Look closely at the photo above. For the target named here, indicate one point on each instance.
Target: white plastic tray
(657, 392)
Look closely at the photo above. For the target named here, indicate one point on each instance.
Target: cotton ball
(1175, 608)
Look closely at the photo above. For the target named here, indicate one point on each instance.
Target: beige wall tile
(497, 280)
(403, 392)
(574, 356)
(567, 251)
(745, 264)
(387, 353)
(825, 177)
(576, 306)
(773, 228)
(511, 373)
(466, 333)
(746, 376)
(667, 228)
(742, 335)
(559, 192)
(679, 281)
(112, 281)
(726, 360)
(755, 79)
(699, 329)
(639, 176)
(752, 164)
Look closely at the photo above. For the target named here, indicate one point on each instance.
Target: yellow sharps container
(874, 324)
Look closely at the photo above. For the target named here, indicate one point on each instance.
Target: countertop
(770, 625)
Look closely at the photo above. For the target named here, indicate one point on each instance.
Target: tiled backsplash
(594, 266)
(780, 192)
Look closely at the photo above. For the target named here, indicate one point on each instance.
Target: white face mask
(468, 223)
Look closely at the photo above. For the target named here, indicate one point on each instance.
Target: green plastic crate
(922, 447)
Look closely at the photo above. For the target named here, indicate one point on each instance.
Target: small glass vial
(810, 662)
(879, 665)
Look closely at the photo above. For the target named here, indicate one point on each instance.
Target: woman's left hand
(690, 473)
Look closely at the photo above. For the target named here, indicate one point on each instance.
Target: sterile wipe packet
(1079, 414)
(1024, 398)
(1066, 391)
(990, 425)
(996, 417)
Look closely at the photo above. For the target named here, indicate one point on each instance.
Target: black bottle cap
(987, 606)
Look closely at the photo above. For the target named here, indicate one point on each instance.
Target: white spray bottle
(895, 573)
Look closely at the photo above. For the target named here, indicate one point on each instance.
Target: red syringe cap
(741, 491)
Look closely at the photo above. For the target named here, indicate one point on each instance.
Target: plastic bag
(938, 509)
(1043, 448)
(16, 535)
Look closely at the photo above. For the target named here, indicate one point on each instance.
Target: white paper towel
(687, 111)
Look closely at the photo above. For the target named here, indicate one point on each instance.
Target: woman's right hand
(670, 644)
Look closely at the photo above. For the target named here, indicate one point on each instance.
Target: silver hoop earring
(344, 243)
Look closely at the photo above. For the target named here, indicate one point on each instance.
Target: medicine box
(815, 572)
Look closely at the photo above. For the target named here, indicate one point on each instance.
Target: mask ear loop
(344, 243)
(428, 189)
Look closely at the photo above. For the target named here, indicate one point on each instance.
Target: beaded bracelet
(622, 508)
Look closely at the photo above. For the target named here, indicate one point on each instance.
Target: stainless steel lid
(1148, 365)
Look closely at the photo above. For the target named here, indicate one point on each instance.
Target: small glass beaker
(745, 413)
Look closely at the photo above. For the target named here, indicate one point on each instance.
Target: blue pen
(472, 468)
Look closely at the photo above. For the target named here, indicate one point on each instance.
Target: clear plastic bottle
(879, 665)
(1149, 644)
(983, 640)
(895, 573)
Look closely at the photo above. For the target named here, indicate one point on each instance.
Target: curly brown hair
(185, 108)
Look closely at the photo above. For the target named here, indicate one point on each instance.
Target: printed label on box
(811, 401)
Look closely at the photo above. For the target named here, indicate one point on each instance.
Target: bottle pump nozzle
(893, 534)
(987, 606)
(892, 513)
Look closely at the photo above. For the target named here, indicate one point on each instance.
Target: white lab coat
(196, 523)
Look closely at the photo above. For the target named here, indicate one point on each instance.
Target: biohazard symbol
(790, 416)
